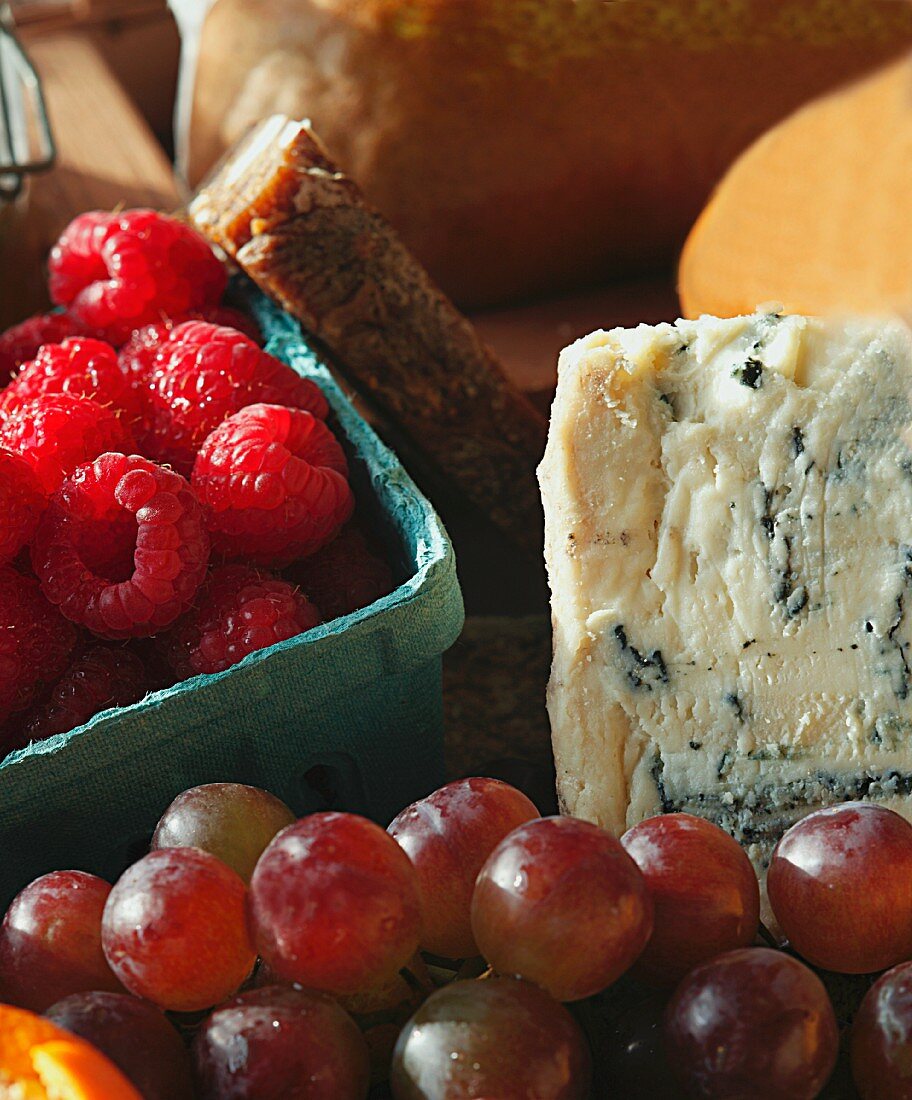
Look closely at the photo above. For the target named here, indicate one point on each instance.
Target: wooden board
(528, 339)
(107, 156)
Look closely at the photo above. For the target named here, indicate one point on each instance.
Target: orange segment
(73, 1070)
(40, 1061)
(19, 1032)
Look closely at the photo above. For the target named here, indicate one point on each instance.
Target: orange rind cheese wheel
(816, 216)
(40, 1061)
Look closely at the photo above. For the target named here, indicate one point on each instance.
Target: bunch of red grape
(252, 955)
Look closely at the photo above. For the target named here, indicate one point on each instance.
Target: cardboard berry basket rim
(347, 715)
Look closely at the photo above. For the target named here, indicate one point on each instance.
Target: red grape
(751, 1023)
(281, 1044)
(380, 1012)
(499, 1037)
(704, 890)
(174, 929)
(50, 941)
(448, 836)
(229, 820)
(136, 1037)
(561, 903)
(881, 1042)
(334, 904)
(840, 884)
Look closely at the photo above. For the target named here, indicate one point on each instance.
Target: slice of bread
(303, 231)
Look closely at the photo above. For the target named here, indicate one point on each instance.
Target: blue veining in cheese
(728, 509)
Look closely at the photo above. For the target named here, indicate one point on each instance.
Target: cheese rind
(728, 509)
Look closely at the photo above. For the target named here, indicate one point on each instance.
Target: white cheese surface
(728, 508)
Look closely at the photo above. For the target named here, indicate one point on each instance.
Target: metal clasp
(26, 142)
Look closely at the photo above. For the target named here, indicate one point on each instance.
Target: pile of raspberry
(158, 472)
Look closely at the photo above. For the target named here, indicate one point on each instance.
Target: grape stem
(474, 967)
(415, 983)
(768, 938)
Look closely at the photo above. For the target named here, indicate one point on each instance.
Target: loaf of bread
(520, 146)
(304, 233)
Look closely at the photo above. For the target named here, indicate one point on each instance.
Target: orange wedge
(40, 1061)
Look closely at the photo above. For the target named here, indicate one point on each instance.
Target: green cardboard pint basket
(348, 715)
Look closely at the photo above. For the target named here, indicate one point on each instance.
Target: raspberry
(21, 504)
(202, 374)
(137, 356)
(240, 610)
(344, 575)
(116, 272)
(122, 547)
(100, 677)
(20, 344)
(79, 366)
(275, 483)
(137, 360)
(35, 641)
(55, 434)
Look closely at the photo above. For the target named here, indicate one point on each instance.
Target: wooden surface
(55, 15)
(137, 38)
(107, 156)
(494, 681)
(528, 339)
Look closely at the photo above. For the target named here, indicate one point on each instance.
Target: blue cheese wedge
(728, 508)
